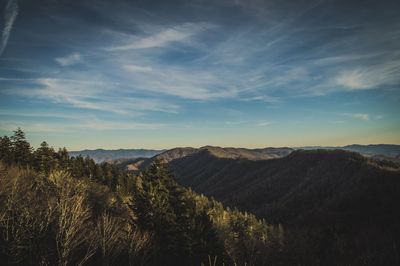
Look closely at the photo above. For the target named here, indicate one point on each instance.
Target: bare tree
(26, 213)
(138, 244)
(109, 231)
(73, 237)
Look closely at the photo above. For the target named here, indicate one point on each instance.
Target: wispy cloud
(359, 116)
(10, 14)
(136, 68)
(92, 95)
(68, 60)
(146, 62)
(183, 83)
(363, 116)
(353, 80)
(94, 124)
(164, 37)
(370, 77)
(263, 98)
(232, 123)
(264, 123)
(376, 76)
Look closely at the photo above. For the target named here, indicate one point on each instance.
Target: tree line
(62, 210)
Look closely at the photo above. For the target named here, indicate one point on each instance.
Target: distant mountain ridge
(384, 150)
(124, 156)
(231, 153)
(376, 152)
(102, 155)
(389, 150)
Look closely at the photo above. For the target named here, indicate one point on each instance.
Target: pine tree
(44, 158)
(21, 148)
(185, 234)
(63, 159)
(6, 154)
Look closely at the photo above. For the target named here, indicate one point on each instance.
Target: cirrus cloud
(10, 14)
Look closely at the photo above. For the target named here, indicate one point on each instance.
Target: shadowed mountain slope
(218, 152)
(316, 186)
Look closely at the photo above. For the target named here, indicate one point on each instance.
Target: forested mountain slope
(232, 153)
(377, 152)
(334, 204)
(306, 186)
(326, 208)
(62, 210)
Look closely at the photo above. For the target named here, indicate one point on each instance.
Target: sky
(162, 74)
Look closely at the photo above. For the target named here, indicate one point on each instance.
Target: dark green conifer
(21, 148)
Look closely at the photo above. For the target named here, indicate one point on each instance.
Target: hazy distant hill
(101, 155)
(232, 153)
(388, 150)
(379, 151)
(310, 186)
(250, 154)
(125, 156)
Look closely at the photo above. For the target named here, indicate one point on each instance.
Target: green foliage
(61, 210)
(44, 158)
(6, 154)
(21, 148)
(183, 232)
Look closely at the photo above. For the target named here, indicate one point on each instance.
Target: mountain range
(286, 185)
(314, 186)
(102, 155)
(128, 156)
(330, 200)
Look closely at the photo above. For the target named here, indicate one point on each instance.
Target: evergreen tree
(44, 158)
(21, 148)
(63, 158)
(6, 154)
(185, 235)
(185, 228)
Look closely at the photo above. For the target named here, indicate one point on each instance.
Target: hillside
(378, 152)
(306, 186)
(323, 207)
(250, 154)
(338, 207)
(231, 153)
(135, 159)
(62, 210)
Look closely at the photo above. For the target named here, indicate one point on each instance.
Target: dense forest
(61, 210)
(338, 206)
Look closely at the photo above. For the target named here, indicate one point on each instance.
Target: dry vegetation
(52, 220)
(61, 210)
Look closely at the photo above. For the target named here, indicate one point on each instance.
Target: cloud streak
(264, 123)
(181, 63)
(10, 14)
(136, 68)
(165, 37)
(91, 95)
(93, 124)
(364, 117)
(68, 60)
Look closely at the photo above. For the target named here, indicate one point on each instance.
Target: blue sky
(161, 74)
